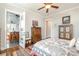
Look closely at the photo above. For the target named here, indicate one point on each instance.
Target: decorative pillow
(72, 42)
(77, 44)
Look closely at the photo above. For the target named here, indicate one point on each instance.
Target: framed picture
(34, 23)
(66, 20)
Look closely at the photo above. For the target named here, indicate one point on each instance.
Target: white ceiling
(35, 6)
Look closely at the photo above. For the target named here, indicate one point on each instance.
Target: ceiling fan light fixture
(47, 6)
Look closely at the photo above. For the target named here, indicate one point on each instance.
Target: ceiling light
(48, 6)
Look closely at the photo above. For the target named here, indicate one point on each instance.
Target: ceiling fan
(47, 6)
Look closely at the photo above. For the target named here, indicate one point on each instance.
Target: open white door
(22, 31)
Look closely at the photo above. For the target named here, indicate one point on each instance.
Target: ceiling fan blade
(47, 3)
(54, 6)
(47, 10)
(41, 8)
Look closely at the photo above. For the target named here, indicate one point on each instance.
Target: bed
(50, 47)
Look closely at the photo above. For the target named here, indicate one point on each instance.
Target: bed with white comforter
(50, 47)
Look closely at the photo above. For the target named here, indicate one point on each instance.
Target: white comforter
(51, 47)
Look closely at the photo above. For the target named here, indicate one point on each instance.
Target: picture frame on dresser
(34, 23)
(66, 20)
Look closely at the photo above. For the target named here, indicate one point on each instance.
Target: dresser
(14, 36)
(36, 34)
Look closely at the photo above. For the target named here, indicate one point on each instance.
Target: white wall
(30, 15)
(57, 20)
(2, 25)
(2, 13)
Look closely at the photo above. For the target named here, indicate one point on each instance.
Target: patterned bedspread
(50, 47)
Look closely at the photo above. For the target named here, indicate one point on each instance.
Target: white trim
(5, 27)
(22, 42)
(28, 9)
(62, 12)
(68, 9)
(8, 10)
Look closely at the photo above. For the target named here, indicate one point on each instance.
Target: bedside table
(28, 42)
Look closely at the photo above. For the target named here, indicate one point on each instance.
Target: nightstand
(28, 42)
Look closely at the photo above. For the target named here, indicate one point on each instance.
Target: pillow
(77, 44)
(72, 42)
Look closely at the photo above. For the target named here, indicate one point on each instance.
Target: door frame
(14, 12)
(47, 23)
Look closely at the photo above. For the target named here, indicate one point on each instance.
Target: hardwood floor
(16, 51)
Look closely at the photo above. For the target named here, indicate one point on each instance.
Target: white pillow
(72, 42)
(77, 44)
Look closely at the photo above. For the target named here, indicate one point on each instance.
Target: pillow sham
(77, 44)
(72, 42)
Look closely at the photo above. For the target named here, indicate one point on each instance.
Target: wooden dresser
(14, 36)
(36, 34)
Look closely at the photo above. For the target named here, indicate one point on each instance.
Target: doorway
(12, 29)
(15, 28)
(48, 29)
